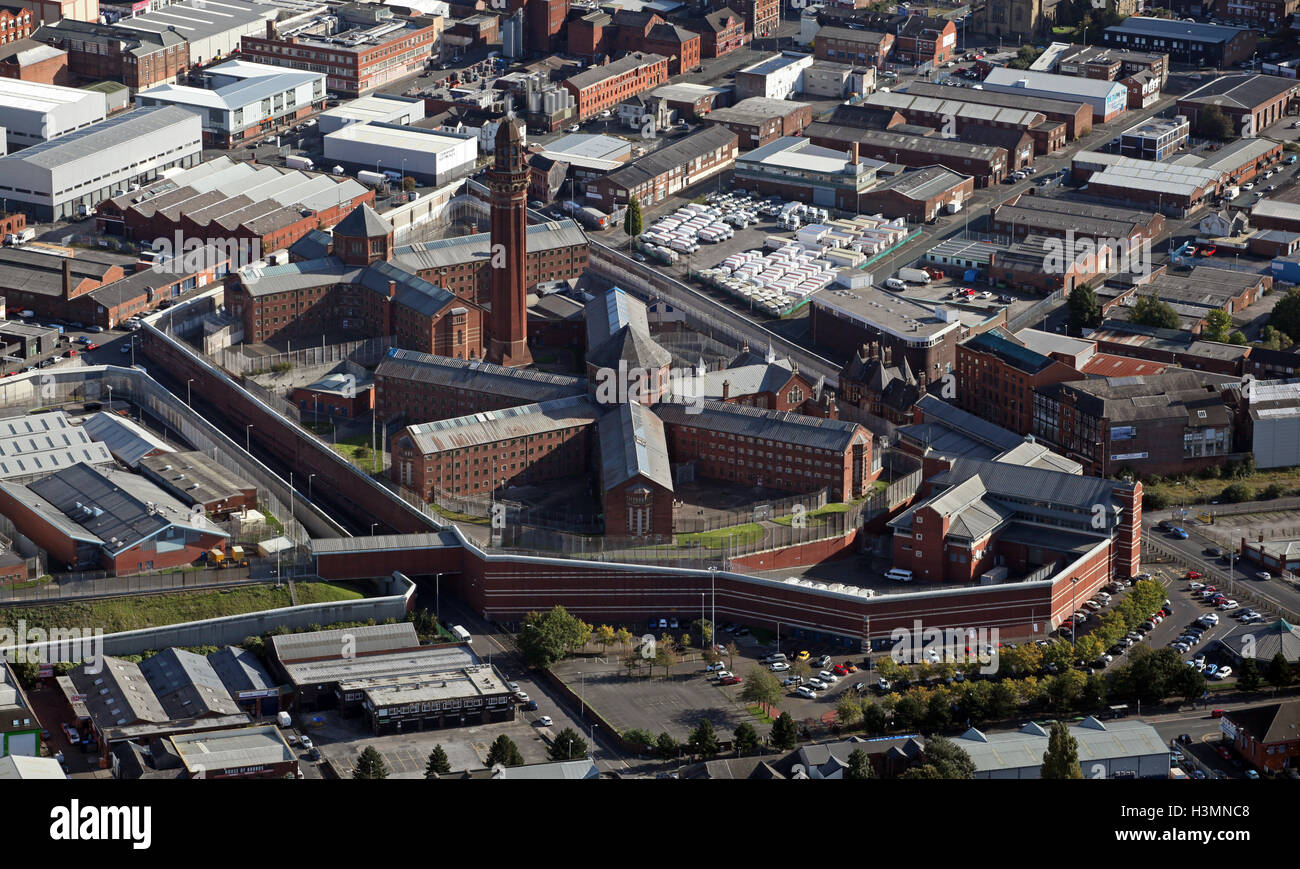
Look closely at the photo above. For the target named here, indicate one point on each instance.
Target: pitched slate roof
(781, 426)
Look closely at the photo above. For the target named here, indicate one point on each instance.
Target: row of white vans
(22, 236)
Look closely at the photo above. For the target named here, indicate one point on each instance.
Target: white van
(898, 574)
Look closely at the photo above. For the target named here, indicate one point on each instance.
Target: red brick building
(636, 480)
(759, 120)
(722, 32)
(1268, 737)
(29, 60)
(604, 87)
(352, 69)
(623, 31)
(924, 39)
(762, 17)
(137, 58)
(996, 379)
(335, 395)
(1265, 15)
(847, 45)
(1263, 99)
(15, 23)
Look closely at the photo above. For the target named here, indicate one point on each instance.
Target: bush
(1274, 490)
(1236, 493)
(1154, 500)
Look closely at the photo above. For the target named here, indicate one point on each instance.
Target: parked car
(545, 721)
(1210, 669)
(779, 667)
(817, 684)
(802, 656)
(1224, 672)
(307, 743)
(828, 677)
(730, 680)
(793, 681)
(1264, 575)
(806, 692)
(824, 661)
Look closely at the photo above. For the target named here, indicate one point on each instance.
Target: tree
(859, 766)
(643, 739)
(948, 758)
(746, 739)
(685, 642)
(703, 628)
(761, 687)
(667, 746)
(920, 772)
(1214, 124)
(1002, 701)
(632, 223)
(624, 638)
(1279, 671)
(568, 744)
(704, 739)
(938, 711)
(802, 669)
(874, 718)
(1237, 338)
(604, 636)
(1237, 493)
(27, 673)
(664, 657)
(848, 710)
(438, 763)
(785, 734)
(1286, 313)
(1272, 338)
(732, 651)
(1085, 310)
(1061, 760)
(1064, 690)
(370, 764)
(1150, 311)
(1248, 678)
(408, 184)
(888, 668)
(546, 638)
(1094, 692)
(505, 752)
(1218, 325)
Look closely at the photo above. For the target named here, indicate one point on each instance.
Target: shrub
(1154, 500)
(1274, 490)
(1236, 493)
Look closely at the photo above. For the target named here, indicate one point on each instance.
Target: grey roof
(495, 425)
(119, 694)
(117, 510)
(187, 685)
(618, 330)
(17, 766)
(1240, 91)
(1175, 29)
(632, 444)
(459, 249)
(472, 375)
(1097, 742)
(413, 292)
(781, 426)
(330, 644)
(363, 222)
(955, 107)
(904, 141)
(1031, 487)
(1084, 88)
(626, 63)
(384, 543)
(968, 424)
(567, 770)
(196, 19)
(193, 477)
(1047, 105)
(419, 661)
(224, 749)
(240, 670)
(1265, 641)
(43, 461)
(314, 245)
(125, 439)
(1036, 455)
(132, 126)
(674, 156)
(922, 184)
(1170, 395)
(755, 110)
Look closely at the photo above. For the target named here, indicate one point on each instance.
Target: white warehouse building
(32, 112)
(1108, 99)
(434, 157)
(213, 28)
(67, 177)
(373, 109)
(243, 100)
(777, 77)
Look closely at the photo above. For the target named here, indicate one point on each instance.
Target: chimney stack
(392, 289)
(726, 389)
(67, 278)
(270, 29)
(853, 154)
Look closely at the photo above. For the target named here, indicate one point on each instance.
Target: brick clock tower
(508, 181)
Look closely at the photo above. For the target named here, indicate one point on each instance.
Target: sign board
(1124, 457)
(1228, 728)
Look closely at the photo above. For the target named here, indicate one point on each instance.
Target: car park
(817, 684)
(806, 692)
(828, 677)
(1228, 605)
(730, 680)
(802, 656)
(793, 681)
(824, 661)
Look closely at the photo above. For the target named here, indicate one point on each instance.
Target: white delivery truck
(283, 719)
(914, 276)
(372, 179)
(297, 161)
(461, 634)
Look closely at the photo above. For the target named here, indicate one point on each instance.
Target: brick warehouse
(604, 87)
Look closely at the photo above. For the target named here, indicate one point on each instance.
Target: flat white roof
(373, 108)
(37, 97)
(390, 136)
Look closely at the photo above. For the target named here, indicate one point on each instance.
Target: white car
(713, 668)
(987, 294)
(1228, 605)
(1224, 672)
(1196, 586)
(779, 667)
(722, 674)
(545, 721)
(828, 677)
(806, 691)
(814, 682)
(306, 743)
(521, 696)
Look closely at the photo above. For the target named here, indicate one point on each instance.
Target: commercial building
(20, 730)
(1253, 102)
(31, 113)
(762, 17)
(849, 45)
(213, 28)
(53, 10)
(794, 168)
(1076, 116)
(778, 77)
(1174, 188)
(1108, 100)
(1184, 41)
(243, 753)
(826, 78)
(1045, 264)
(88, 518)
(920, 195)
(376, 108)
(986, 163)
(1268, 737)
(372, 48)
(927, 338)
(1177, 422)
(358, 290)
(419, 386)
(956, 116)
(1023, 215)
(475, 694)
(613, 33)
(137, 58)
(604, 87)
(1115, 749)
(761, 120)
(997, 376)
(243, 100)
(925, 41)
(29, 60)
(1155, 139)
(194, 478)
(688, 100)
(434, 157)
(224, 200)
(65, 178)
(665, 171)
(722, 32)
(21, 768)
(1112, 64)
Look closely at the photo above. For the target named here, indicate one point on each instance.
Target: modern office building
(1155, 139)
(1184, 41)
(794, 168)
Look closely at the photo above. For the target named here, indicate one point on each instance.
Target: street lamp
(310, 477)
(373, 525)
(248, 438)
(1074, 623)
(437, 597)
(187, 390)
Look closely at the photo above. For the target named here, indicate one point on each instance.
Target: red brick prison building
(604, 87)
(755, 380)
(478, 454)
(980, 515)
(359, 291)
(420, 386)
(636, 479)
(786, 451)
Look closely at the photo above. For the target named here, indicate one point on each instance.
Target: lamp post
(110, 399)
(1074, 623)
(437, 597)
(373, 525)
(187, 390)
(310, 477)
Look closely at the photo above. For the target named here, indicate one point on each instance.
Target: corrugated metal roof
(496, 425)
(137, 125)
(632, 444)
(224, 749)
(780, 426)
(366, 640)
(478, 376)
(540, 237)
(1097, 742)
(127, 441)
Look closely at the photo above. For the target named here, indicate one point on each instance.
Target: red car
(1209, 250)
(1209, 588)
(1194, 574)
(840, 670)
(730, 680)
(1217, 713)
(1224, 753)
(92, 347)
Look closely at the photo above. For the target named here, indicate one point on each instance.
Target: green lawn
(146, 611)
(459, 517)
(818, 516)
(720, 538)
(356, 450)
(757, 712)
